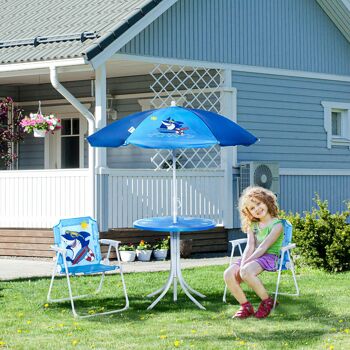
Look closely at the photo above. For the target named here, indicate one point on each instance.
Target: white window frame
(344, 138)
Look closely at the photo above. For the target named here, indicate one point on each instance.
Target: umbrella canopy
(171, 128)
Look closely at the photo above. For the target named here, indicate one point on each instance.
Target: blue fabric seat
(77, 247)
(89, 269)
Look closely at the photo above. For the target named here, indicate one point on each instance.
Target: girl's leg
(233, 282)
(249, 273)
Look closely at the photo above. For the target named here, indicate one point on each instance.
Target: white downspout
(91, 123)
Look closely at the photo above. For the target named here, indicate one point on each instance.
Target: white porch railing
(136, 194)
(39, 198)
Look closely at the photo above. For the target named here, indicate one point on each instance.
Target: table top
(165, 224)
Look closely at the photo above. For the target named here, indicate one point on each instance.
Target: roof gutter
(91, 122)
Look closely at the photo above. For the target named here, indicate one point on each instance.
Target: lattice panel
(193, 87)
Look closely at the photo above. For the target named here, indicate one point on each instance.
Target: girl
(258, 212)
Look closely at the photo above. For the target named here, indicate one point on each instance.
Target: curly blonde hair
(258, 193)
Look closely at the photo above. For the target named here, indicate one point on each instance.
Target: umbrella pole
(174, 188)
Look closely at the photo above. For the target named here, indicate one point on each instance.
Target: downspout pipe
(91, 128)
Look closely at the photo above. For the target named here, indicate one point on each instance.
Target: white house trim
(20, 68)
(332, 140)
(233, 67)
(314, 172)
(109, 51)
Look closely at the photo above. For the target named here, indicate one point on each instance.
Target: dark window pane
(336, 123)
(66, 127)
(70, 152)
(75, 126)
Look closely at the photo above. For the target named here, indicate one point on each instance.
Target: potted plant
(160, 248)
(143, 251)
(127, 252)
(40, 124)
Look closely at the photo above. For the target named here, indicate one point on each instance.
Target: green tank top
(262, 233)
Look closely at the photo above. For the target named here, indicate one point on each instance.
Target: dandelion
(346, 330)
(20, 314)
(2, 343)
(193, 331)
(163, 336)
(341, 321)
(242, 342)
(19, 330)
(61, 325)
(29, 322)
(331, 347)
(46, 305)
(75, 342)
(176, 343)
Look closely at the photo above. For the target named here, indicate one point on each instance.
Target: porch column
(228, 154)
(101, 195)
(100, 112)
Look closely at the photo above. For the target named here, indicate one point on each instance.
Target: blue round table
(183, 224)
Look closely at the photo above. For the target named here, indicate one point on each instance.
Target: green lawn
(318, 319)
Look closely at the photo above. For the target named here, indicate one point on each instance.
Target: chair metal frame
(62, 253)
(285, 263)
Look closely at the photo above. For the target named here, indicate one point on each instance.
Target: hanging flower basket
(39, 133)
(40, 124)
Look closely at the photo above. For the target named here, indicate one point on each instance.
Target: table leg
(175, 276)
(185, 287)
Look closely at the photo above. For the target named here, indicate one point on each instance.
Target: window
(337, 123)
(70, 143)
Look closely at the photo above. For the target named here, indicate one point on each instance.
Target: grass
(318, 319)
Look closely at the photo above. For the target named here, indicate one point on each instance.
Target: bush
(322, 238)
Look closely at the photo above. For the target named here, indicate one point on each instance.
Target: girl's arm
(249, 248)
(266, 243)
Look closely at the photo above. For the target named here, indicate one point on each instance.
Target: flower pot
(39, 133)
(160, 254)
(127, 255)
(143, 255)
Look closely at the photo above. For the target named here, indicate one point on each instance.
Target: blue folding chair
(285, 261)
(77, 248)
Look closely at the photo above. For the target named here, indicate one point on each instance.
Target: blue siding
(31, 153)
(297, 192)
(289, 34)
(287, 115)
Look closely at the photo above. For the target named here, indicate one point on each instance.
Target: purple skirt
(267, 261)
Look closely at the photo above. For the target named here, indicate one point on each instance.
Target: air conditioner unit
(260, 174)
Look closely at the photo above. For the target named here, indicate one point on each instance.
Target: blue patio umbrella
(172, 128)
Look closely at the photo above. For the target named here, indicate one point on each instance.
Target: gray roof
(26, 21)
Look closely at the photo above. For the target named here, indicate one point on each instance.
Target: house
(281, 69)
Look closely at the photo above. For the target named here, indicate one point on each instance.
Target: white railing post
(101, 203)
(228, 154)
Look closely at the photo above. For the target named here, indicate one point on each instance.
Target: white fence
(39, 198)
(147, 193)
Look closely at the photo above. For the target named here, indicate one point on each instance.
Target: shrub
(322, 238)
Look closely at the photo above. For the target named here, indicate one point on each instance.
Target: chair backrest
(287, 239)
(81, 239)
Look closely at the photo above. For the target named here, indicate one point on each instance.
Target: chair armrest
(59, 250)
(239, 241)
(288, 247)
(111, 242)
